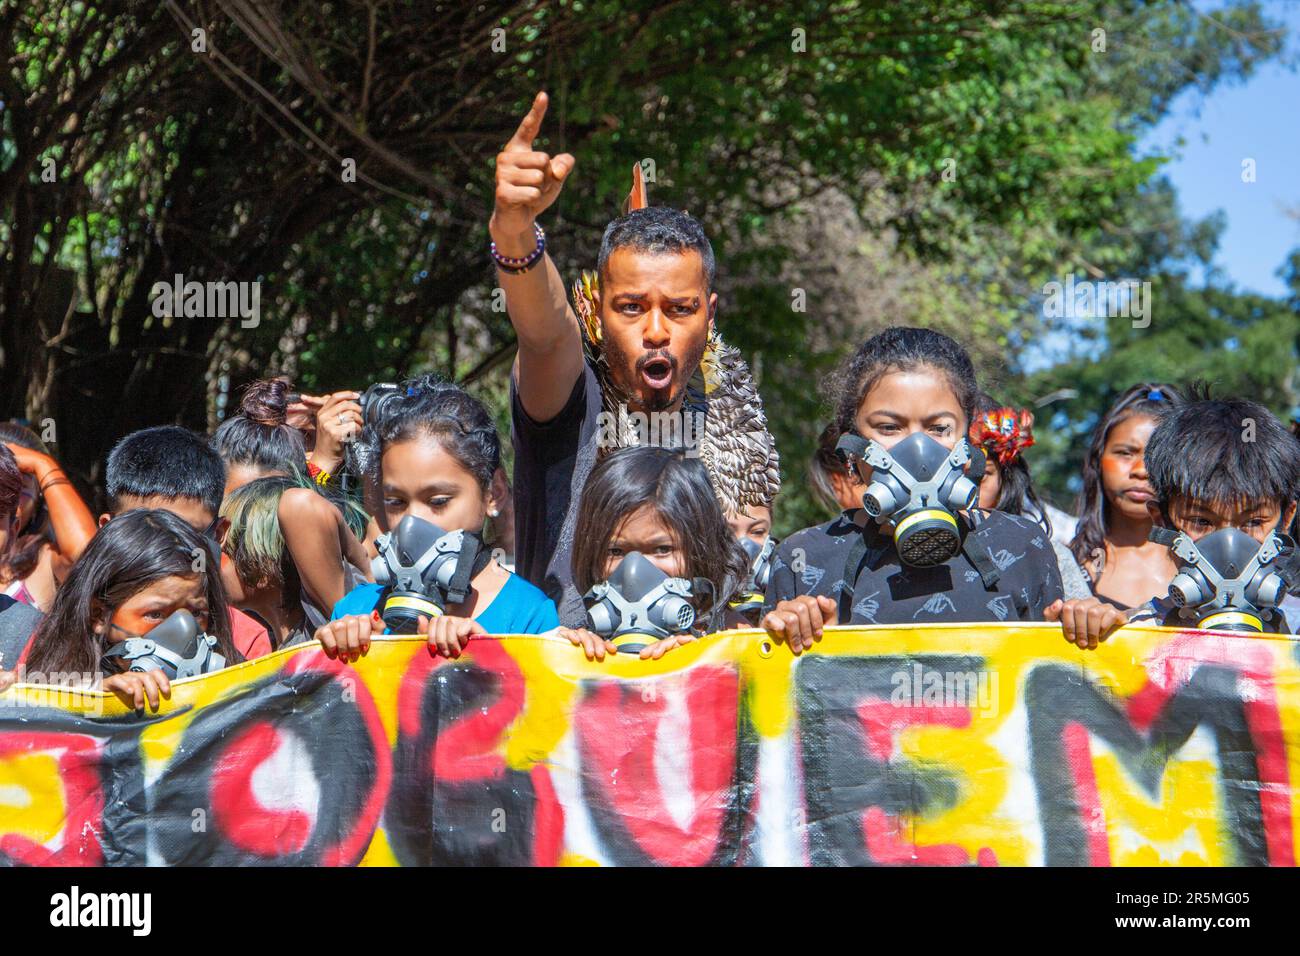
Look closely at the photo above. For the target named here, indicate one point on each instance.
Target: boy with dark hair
(174, 469)
(1226, 475)
(167, 467)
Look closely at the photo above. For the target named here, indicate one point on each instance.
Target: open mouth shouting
(657, 369)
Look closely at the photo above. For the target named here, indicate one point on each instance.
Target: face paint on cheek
(1114, 475)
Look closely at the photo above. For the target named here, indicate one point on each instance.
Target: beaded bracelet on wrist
(518, 265)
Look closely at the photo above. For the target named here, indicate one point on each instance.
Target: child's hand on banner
(449, 635)
(133, 688)
(593, 645)
(652, 652)
(348, 638)
(1086, 622)
(799, 621)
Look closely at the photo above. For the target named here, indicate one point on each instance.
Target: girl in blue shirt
(432, 454)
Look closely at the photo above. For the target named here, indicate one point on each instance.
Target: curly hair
(443, 411)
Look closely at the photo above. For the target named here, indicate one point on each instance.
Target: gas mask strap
(119, 649)
(706, 597)
(852, 571)
(978, 462)
(988, 571)
(1165, 536)
(851, 446)
(473, 559)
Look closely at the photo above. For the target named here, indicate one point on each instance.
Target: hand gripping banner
(955, 745)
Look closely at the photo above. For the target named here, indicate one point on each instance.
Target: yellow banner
(937, 745)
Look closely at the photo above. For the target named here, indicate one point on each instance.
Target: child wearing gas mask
(653, 555)
(136, 575)
(752, 528)
(429, 463)
(1225, 474)
(919, 550)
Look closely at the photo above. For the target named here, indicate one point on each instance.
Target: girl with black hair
(1003, 434)
(433, 455)
(659, 503)
(258, 440)
(913, 386)
(1111, 543)
(834, 485)
(321, 527)
(135, 573)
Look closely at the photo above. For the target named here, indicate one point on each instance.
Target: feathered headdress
(736, 447)
(1004, 433)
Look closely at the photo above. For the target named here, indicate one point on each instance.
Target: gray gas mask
(176, 647)
(639, 604)
(918, 486)
(749, 603)
(1227, 581)
(423, 569)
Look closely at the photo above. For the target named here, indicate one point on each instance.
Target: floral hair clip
(1004, 433)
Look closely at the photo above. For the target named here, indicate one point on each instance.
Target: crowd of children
(337, 517)
(264, 547)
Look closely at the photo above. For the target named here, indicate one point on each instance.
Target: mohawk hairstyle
(1223, 450)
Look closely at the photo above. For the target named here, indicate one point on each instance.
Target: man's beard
(651, 399)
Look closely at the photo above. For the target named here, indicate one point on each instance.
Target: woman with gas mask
(918, 550)
(134, 613)
(429, 463)
(655, 558)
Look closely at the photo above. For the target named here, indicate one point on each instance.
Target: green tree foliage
(975, 147)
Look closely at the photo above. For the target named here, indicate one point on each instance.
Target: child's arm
(71, 520)
(1087, 621)
(799, 620)
(314, 533)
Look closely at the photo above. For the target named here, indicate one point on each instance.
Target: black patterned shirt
(813, 561)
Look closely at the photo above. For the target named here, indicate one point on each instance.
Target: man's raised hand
(528, 180)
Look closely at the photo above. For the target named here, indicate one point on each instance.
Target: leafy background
(811, 142)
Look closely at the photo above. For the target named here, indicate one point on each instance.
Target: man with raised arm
(643, 365)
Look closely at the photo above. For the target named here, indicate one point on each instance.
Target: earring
(493, 513)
